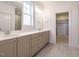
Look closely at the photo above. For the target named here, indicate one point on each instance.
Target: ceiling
(18, 4)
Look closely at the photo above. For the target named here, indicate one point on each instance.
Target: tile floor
(58, 50)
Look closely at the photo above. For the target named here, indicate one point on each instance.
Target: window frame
(32, 16)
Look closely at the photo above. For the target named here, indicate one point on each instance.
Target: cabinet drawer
(36, 35)
(7, 41)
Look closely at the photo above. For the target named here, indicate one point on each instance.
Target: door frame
(67, 26)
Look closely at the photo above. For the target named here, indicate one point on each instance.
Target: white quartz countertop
(16, 34)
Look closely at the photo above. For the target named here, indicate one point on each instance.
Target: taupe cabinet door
(24, 46)
(46, 37)
(8, 48)
(38, 41)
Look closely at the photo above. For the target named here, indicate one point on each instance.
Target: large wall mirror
(20, 15)
(24, 19)
(5, 21)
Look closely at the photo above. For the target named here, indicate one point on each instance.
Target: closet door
(62, 28)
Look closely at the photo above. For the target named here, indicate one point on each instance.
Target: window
(27, 13)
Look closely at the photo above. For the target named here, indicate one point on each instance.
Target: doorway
(62, 27)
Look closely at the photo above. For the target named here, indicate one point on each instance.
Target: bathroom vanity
(24, 44)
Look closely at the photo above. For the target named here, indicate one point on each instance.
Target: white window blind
(27, 13)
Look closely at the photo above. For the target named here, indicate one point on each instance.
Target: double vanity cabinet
(24, 46)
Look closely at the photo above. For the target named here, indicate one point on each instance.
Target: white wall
(51, 8)
(38, 16)
(62, 17)
(8, 9)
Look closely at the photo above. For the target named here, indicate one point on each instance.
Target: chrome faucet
(7, 32)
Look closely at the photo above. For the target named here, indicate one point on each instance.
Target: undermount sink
(9, 35)
(14, 33)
